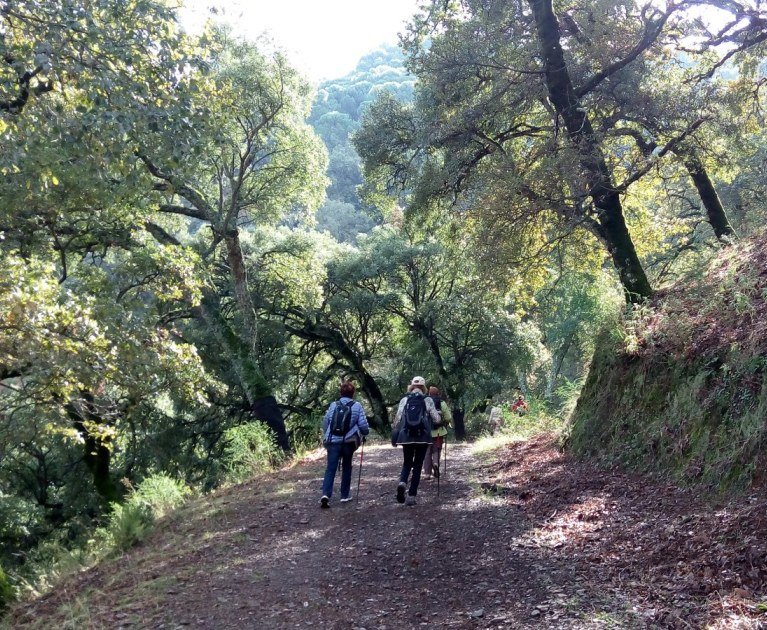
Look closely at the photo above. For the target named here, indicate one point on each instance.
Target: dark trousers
(343, 451)
(413, 460)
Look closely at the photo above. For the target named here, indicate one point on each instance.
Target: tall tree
(71, 85)
(238, 155)
(599, 183)
(524, 90)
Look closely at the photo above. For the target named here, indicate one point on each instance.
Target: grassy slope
(682, 387)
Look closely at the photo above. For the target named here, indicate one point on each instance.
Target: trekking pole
(359, 478)
(445, 454)
(439, 452)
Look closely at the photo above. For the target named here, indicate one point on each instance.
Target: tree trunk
(460, 427)
(375, 396)
(556, 366)
(266, 410)
(239, 276)
(717, 217)
(251, 380)
(426, 333)
(97, 453)
(610, 219)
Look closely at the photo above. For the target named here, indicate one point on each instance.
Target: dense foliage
(336, 115)
(170, 316)
(531, 118)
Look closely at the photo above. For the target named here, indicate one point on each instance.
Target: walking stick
(359, 478)
(445, 454)
(439, 452)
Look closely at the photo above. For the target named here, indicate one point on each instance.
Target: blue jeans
(343, 451)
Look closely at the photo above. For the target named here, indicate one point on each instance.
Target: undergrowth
(540, 418)
(127, 524)
(6, 590)
(679, 388)
(251, 449)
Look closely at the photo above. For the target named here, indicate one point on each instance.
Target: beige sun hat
(418, 381)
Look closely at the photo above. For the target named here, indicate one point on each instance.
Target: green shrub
(538, 419)
(250, 448)
(7, 592)
(160, 493)
(21, 521)
(50, 561)
(129, 524)
(476, 424)
(305, 432)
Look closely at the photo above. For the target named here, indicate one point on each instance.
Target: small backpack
(414, 416)
(341, 421)
(438, 406)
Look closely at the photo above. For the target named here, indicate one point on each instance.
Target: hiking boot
(435, 470)
(401, 493)
(346, 500)
(410, 500)
(324, 502)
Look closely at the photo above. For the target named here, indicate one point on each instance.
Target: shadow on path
(497, 548)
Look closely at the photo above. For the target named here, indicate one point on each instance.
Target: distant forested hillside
(336, 115)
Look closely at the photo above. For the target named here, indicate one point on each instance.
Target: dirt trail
(538, 545)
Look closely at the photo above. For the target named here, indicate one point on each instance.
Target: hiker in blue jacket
(343, 429)
(413, 424)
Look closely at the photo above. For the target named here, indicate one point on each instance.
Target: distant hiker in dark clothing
(438, 433)
(412, 430)
(343, 430)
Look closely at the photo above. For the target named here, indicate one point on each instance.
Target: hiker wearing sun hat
(413, 423)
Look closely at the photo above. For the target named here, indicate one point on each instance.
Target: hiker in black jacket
(412, 430)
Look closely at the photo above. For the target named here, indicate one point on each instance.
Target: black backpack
(342, 418)
(438, 406)
(414, 416)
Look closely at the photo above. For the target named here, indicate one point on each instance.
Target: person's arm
(328, 416)
(433, 413)
(397, 420)
(400, 409)
(362, 421)
(447, 415)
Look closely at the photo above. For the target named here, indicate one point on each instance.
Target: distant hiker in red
(438, 433)
(343, 430)
(520, 406)
(412, 430)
